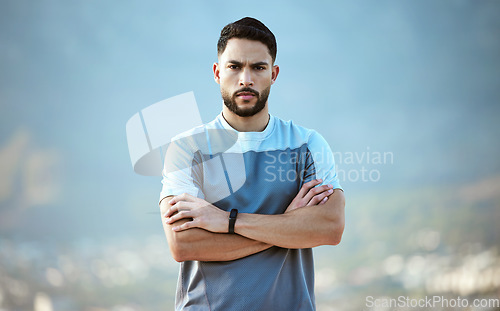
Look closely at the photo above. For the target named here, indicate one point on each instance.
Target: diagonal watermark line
(145, 130)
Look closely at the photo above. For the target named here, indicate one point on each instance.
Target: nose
(246, 78)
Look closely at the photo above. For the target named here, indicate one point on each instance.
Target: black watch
(232, 219)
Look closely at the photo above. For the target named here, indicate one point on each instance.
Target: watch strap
(232, 220)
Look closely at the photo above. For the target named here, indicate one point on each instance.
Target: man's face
(245, 73)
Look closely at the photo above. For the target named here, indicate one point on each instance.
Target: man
(249, 247)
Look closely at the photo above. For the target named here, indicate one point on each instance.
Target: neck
(255, 123)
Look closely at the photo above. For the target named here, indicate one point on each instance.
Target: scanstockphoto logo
(362, 166)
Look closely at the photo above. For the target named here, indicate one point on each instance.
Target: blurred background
(407, 93)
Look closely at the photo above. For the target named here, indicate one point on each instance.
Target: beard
(230, 101)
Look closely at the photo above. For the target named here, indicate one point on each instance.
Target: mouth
(245, 95)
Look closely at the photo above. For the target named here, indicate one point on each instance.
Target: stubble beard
(230, 102)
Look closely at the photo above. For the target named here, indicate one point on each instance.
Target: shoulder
(209, 138)
(300, 134)
(292, 135)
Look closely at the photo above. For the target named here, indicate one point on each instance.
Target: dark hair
(248, 28)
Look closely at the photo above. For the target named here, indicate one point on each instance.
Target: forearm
(203, 245)
(321, 223)
(305, 227)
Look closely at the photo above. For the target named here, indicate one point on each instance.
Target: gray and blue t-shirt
(255, 172)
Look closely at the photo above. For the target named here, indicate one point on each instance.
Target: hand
(310, 195)
(203, 214)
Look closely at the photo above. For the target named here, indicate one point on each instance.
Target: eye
(259, 68)
(232, 67)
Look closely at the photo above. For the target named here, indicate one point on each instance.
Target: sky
(418, 81)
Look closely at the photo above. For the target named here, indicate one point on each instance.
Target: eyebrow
(254, 64)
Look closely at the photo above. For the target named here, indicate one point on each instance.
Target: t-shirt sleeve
(182, 170)
(324, 163)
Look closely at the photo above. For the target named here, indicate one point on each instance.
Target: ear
(216, 72)
(274, 74)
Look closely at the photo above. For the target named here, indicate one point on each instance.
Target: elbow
(178, 257)
(335, 235)
(179, 253)
(179, 243)
(335, 239)
(178, 248)
(337, 224)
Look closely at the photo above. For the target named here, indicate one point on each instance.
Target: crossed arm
(200, 244)
(196, 230)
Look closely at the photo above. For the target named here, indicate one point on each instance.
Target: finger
(307, 186)
(323, 201)
(317, 198)
(320, 198)
(177, 207)
(182, 197)
(173, 209)
(180, 215)
(185, 226)
(299, 200)
(316, 191)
